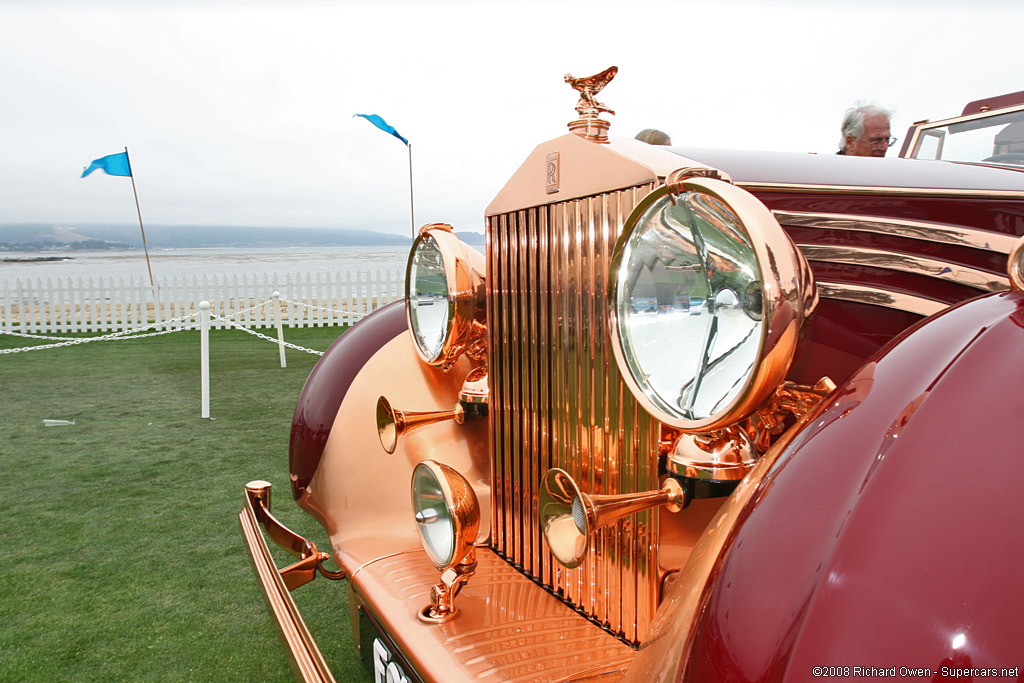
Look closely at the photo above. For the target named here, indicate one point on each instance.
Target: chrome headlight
(430, 311)
(707, 298)
(446, 511)
(444, 295)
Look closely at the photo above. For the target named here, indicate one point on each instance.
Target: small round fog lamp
(446, 511)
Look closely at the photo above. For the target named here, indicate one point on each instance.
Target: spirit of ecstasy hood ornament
(590, 125)
(588, 107)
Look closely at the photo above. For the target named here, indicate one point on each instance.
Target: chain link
(318, 308)
(263, 336)
(262, 304)
(117, 336)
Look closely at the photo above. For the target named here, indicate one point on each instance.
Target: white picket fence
(101, 304)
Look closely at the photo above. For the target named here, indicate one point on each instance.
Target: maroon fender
(329, 382)
(888, 534)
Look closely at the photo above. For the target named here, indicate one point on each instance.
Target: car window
(998, 139)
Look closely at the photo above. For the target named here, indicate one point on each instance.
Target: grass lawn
(122, 555)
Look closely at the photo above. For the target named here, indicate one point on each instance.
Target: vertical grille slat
(559, 401)
(495, 322)
(531, 411)
(545, 397)
(504, 418)
(607, 602)
(521, 350)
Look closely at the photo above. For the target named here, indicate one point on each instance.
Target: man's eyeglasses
(877, 142)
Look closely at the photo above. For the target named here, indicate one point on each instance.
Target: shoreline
(35, 259)
(181, 262)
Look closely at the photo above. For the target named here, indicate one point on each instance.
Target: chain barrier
(114, 336)
(262, 304)
(206, 317)
(317, 308)
(135, 333)
(32, 336)
(263, 336)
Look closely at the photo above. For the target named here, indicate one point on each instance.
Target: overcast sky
(240, 112)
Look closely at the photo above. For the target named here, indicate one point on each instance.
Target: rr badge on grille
(552, 173)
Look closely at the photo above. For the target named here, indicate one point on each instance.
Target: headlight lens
(688, 324)
(429, 306)
(432, 518)
(445, 300)
(446, 511)
(697, 303)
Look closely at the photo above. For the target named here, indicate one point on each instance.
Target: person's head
(653, 136)
(865, 131)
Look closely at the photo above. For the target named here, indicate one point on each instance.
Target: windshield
(996, 139)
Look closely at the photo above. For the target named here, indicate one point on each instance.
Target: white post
(204, 352)
(277, 322)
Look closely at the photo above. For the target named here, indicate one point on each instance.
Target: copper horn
(392, 423)
(568, 516)
(472, 404)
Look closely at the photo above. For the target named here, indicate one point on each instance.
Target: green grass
(122, 557)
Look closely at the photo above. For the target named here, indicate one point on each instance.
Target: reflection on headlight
(707, 297)
(428, 286)
(445, 299)
(690, 328)
(433, 520)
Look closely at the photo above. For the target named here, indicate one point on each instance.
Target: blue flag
(382, 124)
(113, 164)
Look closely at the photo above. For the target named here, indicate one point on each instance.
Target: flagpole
(139, 210)
(412, 211)
(381, 124)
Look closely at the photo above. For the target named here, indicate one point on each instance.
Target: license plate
(386, 668)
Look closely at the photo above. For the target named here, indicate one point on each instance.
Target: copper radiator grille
(557, 400)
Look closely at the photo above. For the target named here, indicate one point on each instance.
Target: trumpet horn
(392, 423)
(568, 516)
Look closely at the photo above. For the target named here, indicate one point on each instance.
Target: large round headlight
(430, 311)
(707, 298)
(444, 295)
(446, 511)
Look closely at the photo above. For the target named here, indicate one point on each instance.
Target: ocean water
(218, 261)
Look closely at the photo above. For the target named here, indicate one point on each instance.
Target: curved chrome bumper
(304, 655)
(509, 627)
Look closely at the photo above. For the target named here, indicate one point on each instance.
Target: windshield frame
(920, 129)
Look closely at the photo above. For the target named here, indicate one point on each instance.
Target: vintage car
(694, 415)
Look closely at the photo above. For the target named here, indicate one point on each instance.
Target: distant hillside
(43, 236)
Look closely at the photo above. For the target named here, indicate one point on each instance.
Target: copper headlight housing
(444, 295)
(707, 298)
(446, 511)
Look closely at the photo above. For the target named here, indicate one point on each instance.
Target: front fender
(328, 384)
(357, 491)
(887, 534)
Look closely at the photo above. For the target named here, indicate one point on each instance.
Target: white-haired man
(865, 132)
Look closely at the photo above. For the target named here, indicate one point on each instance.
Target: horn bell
(393, 423)
(568, 516)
